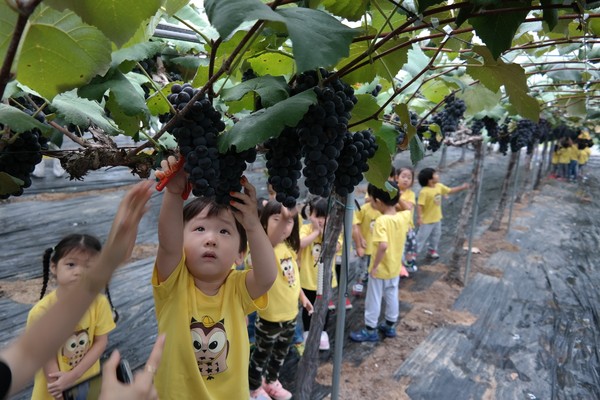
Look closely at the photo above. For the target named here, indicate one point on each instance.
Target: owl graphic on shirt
(287, 268)
(210, 344)
(76, 346)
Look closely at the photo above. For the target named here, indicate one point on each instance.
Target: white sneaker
(57, 168)
(40, 169)
(324, 343)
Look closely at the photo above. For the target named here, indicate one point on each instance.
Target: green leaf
(498, 30)
(366, 107)
(388, 134)
(137, 52)
(594, 26)
(526, 106)
(271, 90)
(478, 98)
(9, 184)
(352, 10)
(435, 90)
(158, 104)
(272, 63)
(310, 27)
(8, 19)
(403, 113)
(117, 19)
(130, 125)
(60, 53)
(417, 150)
(227, 15)
(172, 6)
(201, 77)
(550, 14)
(417, 61)
(268, 122)
(129, 97)
(425, 4)
(380, 164)
(18, 121)
(82, 112)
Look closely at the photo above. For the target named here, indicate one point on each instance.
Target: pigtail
(46, 270)
(112, 307)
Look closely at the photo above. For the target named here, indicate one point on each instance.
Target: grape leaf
(271, 90)
(82, 112)
(417, 150)
(9, 184)
(8, 19)
(365, 108)
(268, 122)
(137, 52)
(352, 10)
(18, 121)
(117, 19)
(227, 15)
(379, 164)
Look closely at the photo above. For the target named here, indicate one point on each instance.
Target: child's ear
(240, 258)
(53, 268)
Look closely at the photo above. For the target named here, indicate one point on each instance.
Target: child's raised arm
(27, 354)
(170, 223)
(264, 267)
(459, 188)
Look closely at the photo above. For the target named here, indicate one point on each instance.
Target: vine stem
(69, 134)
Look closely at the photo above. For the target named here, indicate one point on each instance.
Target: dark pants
(273, 341)
(312, 296)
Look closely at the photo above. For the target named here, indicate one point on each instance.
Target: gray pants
(377, 290)
(429, 234)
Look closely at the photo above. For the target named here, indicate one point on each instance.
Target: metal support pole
(340, 321)
(474, 213)
(514, 193)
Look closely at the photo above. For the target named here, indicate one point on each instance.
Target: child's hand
(317, 224)
(373, 272)
(63, 380)
(308, 306)
(245, 210)
(177, 184)
(465, 186)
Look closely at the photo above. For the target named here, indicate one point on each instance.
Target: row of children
(385, 241)
(570, 157)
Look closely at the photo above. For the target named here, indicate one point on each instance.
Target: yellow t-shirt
(573, 152)
(409, 196)
(564, 155)
(584, 155)
(391, 229)
(365, 219)
(206, 353)
(308, 261)
(97, 321)
(554, 157)
(284, 294)
(431, 200)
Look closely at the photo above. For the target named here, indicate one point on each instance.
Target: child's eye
(199, 229)
(224, 231)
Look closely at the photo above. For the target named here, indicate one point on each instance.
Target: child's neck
(431, 184)
(389, 210)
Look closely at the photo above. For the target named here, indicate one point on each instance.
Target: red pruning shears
(166, 176)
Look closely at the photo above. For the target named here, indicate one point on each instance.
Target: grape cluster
(210, 172)
(544, 129)
(449, 118)
(476, 126)
(22, 153)
(491, 126)
(375, 92)
(503, 139)
(523, 136)
(321, 130)
(358, 148)
(284, 166)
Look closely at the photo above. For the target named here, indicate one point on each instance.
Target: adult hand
(142, 387)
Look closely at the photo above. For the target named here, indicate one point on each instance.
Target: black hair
(383, 195)
(425, 176)
(76, 241)
(274, 207)
(196, 206)
(412, 173)
(318, 205)
(393, 172)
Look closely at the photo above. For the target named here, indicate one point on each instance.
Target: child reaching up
(201, 302)
(276, 323)
(429, 210)
(389, 235)
(78, 359)
(405, 179)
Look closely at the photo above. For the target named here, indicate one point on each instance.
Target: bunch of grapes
(210, 172)
(523, 136)
(321, 131)
(449, 118)
(358, 148)
(491, 126)
(544, 129)
(476, 126)
(284, 166)
(375, 92)
(22, 153)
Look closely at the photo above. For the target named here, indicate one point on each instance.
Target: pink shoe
(276, 391)
(259, 394)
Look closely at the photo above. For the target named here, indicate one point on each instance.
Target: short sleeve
(444, 189)
(5, 379)
(422, 198)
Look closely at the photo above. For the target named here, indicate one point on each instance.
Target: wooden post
(499, 213)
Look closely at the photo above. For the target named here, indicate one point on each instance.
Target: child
(362, 233)
(79, 358)
(311, 246)
(20, 360)
(389, 235)
(554, 172)
(405, 179)
(275, 325)
(564, 158)
(573, 151)
(201, 302)
(429, 210)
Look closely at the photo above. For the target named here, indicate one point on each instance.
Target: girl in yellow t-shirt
(405, 179)
(78, 359)
(276, 324)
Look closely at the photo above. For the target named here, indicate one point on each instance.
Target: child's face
(404, 179)
(435, 179)
(275, 235)
(71, 266)
(211, 245)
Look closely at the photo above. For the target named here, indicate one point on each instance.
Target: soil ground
(453, 341)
